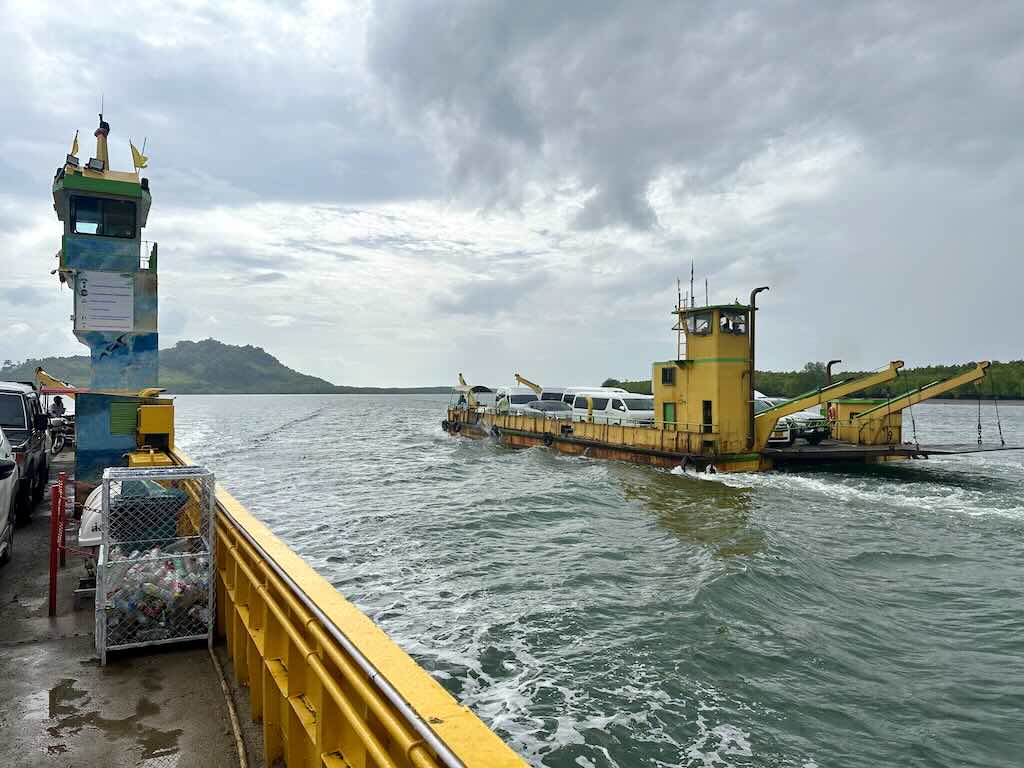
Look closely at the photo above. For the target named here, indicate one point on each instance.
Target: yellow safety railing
(331, 688)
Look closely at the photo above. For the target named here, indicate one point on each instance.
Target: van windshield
(639, 404)
(522, 399)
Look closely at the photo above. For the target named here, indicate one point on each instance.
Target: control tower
(102, 259)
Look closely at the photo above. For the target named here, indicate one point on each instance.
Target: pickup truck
(25, 425)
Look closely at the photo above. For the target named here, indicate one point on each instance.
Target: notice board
(104, 301)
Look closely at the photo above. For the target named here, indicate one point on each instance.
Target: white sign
(104, 301)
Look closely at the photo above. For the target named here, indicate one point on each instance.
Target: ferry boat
(705, 414)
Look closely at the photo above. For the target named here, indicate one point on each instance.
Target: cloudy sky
(390, 192)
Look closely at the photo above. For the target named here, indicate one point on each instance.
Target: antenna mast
(679, 320)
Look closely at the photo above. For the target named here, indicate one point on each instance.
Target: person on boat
(57, 407)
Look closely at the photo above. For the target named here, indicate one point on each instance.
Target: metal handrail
(413, 718)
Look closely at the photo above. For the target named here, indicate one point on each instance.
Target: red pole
(62, 481)
(54, 521)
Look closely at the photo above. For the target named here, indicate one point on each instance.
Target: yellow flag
(138, 158)
(74, 145)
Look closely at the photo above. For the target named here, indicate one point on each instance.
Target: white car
(8, 495)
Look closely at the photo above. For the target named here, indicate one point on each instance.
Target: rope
(913, 425)
(995, 401)
(979, 415)
(888, 415)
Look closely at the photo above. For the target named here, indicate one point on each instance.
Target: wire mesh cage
(153, 573)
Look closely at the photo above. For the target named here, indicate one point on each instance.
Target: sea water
(598, 613)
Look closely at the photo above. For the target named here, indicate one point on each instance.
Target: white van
(614, 407)
(513, 399)
(554, 393)
(569, 393)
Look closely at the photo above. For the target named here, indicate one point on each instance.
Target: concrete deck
(58, 707)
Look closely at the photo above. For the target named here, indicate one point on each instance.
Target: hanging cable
(888, 416)
(913, 425)
(979, 415)
(995, 402)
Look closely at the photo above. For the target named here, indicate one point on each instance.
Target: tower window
(100, 216)
(668, 377)
(699, 324)
(733, 322)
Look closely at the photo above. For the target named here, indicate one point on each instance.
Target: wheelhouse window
(699, 324)
(733, 322)
(103, 217)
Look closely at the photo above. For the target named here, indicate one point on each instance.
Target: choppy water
(604, 614)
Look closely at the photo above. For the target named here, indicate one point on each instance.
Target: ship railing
(330, 687)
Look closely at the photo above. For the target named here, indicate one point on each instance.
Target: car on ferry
(569, 393)
(782, 435)
(808, 425)
(8, 497)
(614, 407)
(513, 399)
(549, 409)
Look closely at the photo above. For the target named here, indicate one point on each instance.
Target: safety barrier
(331, 688)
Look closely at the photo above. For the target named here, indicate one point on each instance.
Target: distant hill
(211, 367)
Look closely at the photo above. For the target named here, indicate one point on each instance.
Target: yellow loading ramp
(764, 422)
(875, 425)
(331, 688)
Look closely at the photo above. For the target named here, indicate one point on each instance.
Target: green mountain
(210, 367)
(1005, 380)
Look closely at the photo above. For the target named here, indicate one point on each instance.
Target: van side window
(600, 403)
(580, 402)
(618, 405)
(567, 398)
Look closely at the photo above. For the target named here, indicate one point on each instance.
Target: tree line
(1004, 380)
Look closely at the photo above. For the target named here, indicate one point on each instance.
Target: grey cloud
(614, 93)
(24, 295)
(490, 297)
(266, 277)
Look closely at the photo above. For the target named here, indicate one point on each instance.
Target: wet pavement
(59, 707)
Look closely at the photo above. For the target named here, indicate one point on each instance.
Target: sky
(388, 193)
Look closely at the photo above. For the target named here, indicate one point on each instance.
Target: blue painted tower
(102, 259)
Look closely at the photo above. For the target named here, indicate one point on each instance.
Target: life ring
(444, 424)
(549, 439)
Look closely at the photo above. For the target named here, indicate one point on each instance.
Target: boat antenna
(679, 320)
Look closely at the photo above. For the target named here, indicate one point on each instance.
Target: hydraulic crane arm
(927, 392)
(765, 422)
(467, 390)
(537, 389)
(46, 380)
